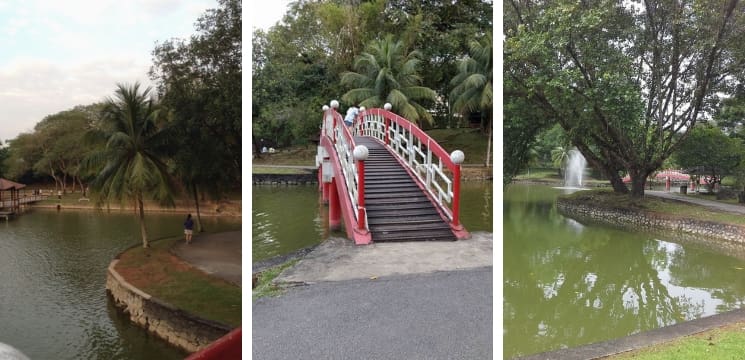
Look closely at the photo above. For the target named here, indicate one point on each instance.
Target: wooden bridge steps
(397, 208)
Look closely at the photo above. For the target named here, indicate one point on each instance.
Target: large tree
(386, 72)
(131, 163)
(627, 80)
(199, 81)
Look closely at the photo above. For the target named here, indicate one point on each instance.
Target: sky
(55, 55)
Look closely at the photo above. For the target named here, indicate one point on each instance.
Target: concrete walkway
(216, 254)
(697, 199)
(409, 300)
(339, 259)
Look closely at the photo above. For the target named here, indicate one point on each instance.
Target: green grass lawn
(277, 171)
(164, 276)
(727, 342)
(655, 204)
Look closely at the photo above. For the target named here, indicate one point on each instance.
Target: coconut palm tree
(131, 163)
(473, 84)
(386, 73)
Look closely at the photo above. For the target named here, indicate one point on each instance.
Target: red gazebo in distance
(12, 202)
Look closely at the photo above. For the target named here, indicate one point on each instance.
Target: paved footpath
(417, 300)
(216, 254)
(738, 209)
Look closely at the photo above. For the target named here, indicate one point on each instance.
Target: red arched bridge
(387, 180)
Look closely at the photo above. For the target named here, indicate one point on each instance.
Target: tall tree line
(298, 65)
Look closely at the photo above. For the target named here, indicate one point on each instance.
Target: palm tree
(473, 84)
(130, 162)
(385, 73)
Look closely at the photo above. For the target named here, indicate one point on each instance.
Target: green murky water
(289, 218)
(53, 303)
(568, 284)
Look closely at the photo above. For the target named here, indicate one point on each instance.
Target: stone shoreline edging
(625, 218)
(179, 328)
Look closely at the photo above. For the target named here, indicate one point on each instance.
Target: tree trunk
(196, 203)
(638, 181)
(143, 230)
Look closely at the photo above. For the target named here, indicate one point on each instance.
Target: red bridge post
(360, 155)
(334, 206)
(457, 157)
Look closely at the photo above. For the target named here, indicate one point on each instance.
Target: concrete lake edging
(179, 328)
(650, 221)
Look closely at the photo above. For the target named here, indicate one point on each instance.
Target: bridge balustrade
(433, 166)
(437, 170)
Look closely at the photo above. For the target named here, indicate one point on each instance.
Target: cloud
(33, 89)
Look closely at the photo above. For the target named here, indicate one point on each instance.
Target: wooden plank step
(414, 236)
(423, 219)
(387, 201)
(431, 225)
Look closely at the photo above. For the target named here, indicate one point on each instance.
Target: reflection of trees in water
(718, 274)
(564, 288)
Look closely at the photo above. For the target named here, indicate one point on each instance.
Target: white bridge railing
(435, 168)
(344, 145)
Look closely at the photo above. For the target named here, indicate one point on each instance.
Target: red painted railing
(437, 171)
(336, 156)
(227, 347)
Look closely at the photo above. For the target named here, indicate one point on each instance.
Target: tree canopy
(627, 80)
(298, 63)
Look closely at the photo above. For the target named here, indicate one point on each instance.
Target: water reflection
(53, 303)
(289, 218)
(568, 284)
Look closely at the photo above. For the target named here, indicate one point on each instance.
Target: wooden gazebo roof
(6, 184)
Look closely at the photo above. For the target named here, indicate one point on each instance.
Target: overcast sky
(55, 55)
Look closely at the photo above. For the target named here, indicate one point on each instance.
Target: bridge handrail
(416, 149)
(343, 141)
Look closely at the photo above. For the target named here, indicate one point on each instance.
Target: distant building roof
(6, 184)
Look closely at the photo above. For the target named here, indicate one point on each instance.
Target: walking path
(738, 209)
(415, 300)
(216, 254)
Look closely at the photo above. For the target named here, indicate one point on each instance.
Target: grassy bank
(727, 342)
(672, 208)
(230, 205)
(264, 279)
(163, 275)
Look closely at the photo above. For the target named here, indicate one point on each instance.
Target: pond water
(53, 302)
(569, 284)
(289, 218)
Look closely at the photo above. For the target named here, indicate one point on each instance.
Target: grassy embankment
(163, 275)
(264, 280)
(720, 343)
(471, 141)
(230, 204)
(727, 342)
(670, 207)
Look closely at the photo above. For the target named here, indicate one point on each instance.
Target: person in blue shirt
(351, 114)
(188, 228)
